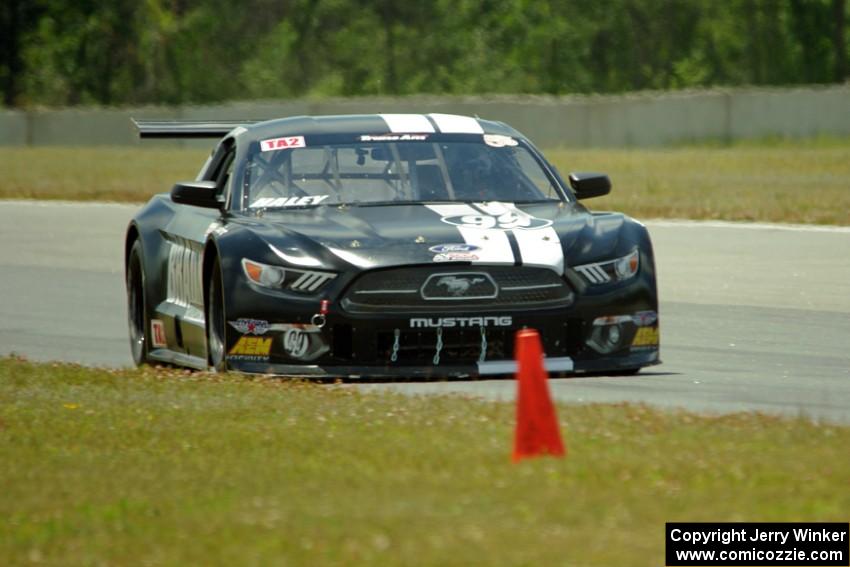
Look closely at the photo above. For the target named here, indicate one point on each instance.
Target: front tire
(137, 313)
(216, 329)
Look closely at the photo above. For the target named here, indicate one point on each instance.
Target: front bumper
(443, 344)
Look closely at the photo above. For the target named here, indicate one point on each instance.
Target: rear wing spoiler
(187, 128)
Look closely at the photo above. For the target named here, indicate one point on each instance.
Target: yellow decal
(646, 336)
(253, 346)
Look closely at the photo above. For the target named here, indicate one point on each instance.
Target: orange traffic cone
(537, 430)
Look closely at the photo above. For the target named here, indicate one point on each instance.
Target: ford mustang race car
(391, 245)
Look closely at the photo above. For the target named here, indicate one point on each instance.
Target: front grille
(459, 346)
(428, 288)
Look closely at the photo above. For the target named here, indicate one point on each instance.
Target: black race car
(391, 245)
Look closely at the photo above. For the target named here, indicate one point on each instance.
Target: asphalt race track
(753, 317)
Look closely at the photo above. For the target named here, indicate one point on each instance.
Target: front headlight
(616, 270)
(292, 279)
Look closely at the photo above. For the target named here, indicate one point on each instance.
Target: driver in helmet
(475, 175)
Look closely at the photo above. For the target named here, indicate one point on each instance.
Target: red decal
(158, 334)
(282, 143)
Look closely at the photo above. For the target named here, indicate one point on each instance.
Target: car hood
(551, 235)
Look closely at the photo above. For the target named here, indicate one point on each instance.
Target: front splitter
(487, 369)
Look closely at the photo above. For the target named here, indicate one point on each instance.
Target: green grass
(123, 174)
(766, 180)
(799, 183)
(155, 467)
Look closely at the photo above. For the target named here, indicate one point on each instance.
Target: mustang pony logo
(458, 286)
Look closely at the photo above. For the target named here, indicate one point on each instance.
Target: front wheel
(137, 317)
(215, 321)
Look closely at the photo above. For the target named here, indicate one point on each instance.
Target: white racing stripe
(454, 124)
(541, 248)
(407, 123)
(538, 247)
(495, 248)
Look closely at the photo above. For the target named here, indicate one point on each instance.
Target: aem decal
(255, 347)
(646, 337)
(282, 143)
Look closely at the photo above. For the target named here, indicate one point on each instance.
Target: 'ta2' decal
(498, 216)
(282, 143)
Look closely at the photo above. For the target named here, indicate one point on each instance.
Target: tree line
(70, 52)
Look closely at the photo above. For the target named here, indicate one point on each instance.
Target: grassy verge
(123, 174)
(806, 182)
(798, 183)
(168, 468)
(767, 181)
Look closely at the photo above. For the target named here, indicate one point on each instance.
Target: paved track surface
(754, 317)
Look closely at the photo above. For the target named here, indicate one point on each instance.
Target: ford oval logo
(447, 248)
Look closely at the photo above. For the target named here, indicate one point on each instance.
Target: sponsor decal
(250, 326)
(256, 348)
(394, 138)
(184, 285)
(288, 201)
(455, 252)
(282, 143)
(646, 337)
(301, 341)
(158, 334)
(296, 343)
(436, 322)
(640, 319)
(459, 285)
(448, 248)
(612, 320)
(645, 318)
(499, 141)
(455, 257)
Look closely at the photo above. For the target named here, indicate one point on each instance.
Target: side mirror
(587, 185)
(197, 193)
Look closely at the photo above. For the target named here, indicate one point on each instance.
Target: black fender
(144, 228)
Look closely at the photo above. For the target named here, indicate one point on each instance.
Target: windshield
(374, 170)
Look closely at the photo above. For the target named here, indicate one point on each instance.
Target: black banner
(819, 544)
